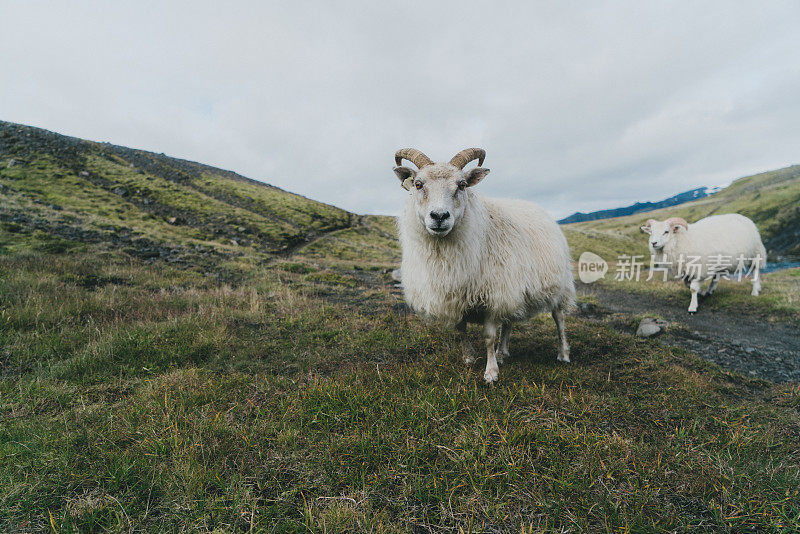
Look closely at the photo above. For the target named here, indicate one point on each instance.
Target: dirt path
(739, 341)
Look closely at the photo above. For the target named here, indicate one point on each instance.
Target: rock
(234, 243)
(120, 191)
(84, 173)
(241, 229)
(172, 220)
(649, 327)
(11, 163)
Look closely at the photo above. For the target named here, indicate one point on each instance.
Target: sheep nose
(440, 216)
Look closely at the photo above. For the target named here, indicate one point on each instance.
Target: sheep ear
(645, 228)
(473, 176)
(406, 176)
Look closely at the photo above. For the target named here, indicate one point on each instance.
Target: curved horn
(467, 155)
(414, 156)
(677, 221)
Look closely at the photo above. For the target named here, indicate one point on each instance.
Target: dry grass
(147, 397)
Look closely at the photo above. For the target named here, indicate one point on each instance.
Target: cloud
(579, 107)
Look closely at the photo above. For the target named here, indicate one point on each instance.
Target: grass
(779, 299)
(304, 397)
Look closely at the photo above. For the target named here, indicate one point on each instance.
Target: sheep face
(439, 194)
(662, 232)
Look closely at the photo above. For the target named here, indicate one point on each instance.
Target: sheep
(707, 250)
(469, 258)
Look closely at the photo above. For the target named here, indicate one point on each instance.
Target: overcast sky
(579, 105)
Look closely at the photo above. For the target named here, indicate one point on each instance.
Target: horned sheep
(708, 249)
(469, 258)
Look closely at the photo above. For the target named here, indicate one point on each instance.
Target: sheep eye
(418, 184)
(461, 185)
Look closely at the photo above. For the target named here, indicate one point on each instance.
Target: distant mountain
(640, 207)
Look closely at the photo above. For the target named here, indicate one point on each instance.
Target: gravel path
(738, 341)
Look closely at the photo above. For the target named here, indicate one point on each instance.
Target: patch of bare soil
(737, 341)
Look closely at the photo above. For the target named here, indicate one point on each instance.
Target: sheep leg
(490, 338)
(756, 281)
(694, 287)
(467, 352)
(502, 347)
(563, 345)
(712, 286)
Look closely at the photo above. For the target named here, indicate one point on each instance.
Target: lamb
(707, 250)
(469, 258)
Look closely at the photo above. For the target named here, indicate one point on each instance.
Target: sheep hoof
(491, 375)
(501, 357)
(564, 358)
(692, 312)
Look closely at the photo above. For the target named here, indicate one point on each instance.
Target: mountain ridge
(151, 204)
(640, 207)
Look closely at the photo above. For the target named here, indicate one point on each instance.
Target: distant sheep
(471, 258)
(707, 250)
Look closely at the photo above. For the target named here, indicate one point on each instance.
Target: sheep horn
(468, 154)
(414, 156)
(677, 221)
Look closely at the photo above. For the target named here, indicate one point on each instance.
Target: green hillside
(770, 199)
(152, 205)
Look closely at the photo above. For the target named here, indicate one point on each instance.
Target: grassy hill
(156, 377)
(150, 204)
(770, 199)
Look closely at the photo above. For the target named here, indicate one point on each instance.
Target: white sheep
(709, 249)
(468, 258)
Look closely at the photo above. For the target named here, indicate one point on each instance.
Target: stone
(397, 276)
(649, 327)
(120, 191)
(11, 163)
